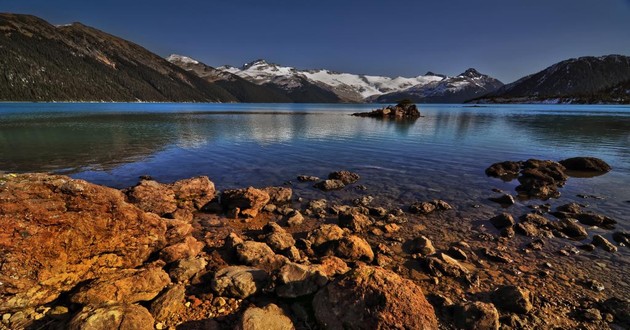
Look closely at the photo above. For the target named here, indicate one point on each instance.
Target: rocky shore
(183, 255)
(405, 110)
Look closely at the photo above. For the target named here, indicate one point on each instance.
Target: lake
(441, 155)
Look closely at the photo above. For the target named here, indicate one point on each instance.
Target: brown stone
(268, 317)
(354, 248)
(279, 195)
(120, 317)
(250, 200)
(169, 303)
(56, 232)
(476, 315)
(373, 298)
(152, 196)
(193, 193)
(188, 248)
(125, 287)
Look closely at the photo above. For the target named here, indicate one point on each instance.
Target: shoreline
(464, 262)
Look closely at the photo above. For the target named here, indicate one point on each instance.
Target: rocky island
(405, 109)
(185, 256)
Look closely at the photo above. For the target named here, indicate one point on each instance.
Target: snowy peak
(472, 73)
(173, 58)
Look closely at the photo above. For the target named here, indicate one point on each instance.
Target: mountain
(458, 89)
(242, 89)
(43, 62)
(341, 87)
(577, 80)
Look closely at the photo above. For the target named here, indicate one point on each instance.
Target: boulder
(505, 170)
(124, 287)
(355, 221)
(268, 317)
(279, 195)
(505, 199)
(169, 303)
(193, 193)
(586, 164)
(177, 231)
(188, 248)
(502, 220)
(152, 196)
(277, 238)
(259, 255)
(327, 185)
(249, 201)
(512, 299)
(442, 264)
(422, 245)
(401, 111)
(571, 228)
(324, 234)
(295, 218)
(476, 315)
(56, 232)
(373, 298)
(307, 178)
(120, 317)
(346, 177)
(331, 266)
(296, 280)
(600, 241)
(239, 281)
(354, 248)
(184, 269)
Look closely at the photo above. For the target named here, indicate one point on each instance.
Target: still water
(441, 155)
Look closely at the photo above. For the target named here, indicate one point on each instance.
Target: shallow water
(441, 155)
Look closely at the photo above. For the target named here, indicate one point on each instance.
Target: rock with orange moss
(56, 232)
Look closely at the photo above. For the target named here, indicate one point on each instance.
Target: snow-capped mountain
(350, 87)
(463, 87)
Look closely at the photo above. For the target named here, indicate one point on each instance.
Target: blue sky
(504, 38)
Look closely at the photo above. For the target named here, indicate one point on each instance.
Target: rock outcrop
(403, 110)
(56, 232)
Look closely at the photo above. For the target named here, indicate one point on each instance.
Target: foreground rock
(247, 202)
(68, 231)
(476, 315)
(380, 300)
(403, 110)
(121, 317)
(268, 317)
(513, 299)
(239, 281)
(165, 199)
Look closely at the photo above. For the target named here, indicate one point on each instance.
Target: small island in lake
(405, 109)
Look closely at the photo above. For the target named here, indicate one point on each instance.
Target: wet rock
(239, 281)
(327, 185)
(380, 300)
(422, 245)
(505, 199)
(296, 280)
(56, 232)
(184, 269)
(318, 205)
(188, 248)
(571, 229)
(541, 179)
(355, 221)
(513, 299)
(603, 243)
(268, 317)
(259, 254)
(250, 201)
(586, 164)
(152, 196)
(505, 170)
(476, 315)
(295, 218)
(125, 287)
(279, 195)
(363, 201)
(527, 229)
(592, 219)
(169, 303)
(354, 248)
(324, 234)
(121, 317)
(277, 238)
(307, 178)
(502, 220)
(622, 237)
(193, 193)
(587, 247)
(570, 208)
(378, 211)
(346, 177)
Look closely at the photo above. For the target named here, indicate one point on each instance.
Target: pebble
(6, 317)
(159, 326)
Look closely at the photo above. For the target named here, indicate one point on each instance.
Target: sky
(506, 39)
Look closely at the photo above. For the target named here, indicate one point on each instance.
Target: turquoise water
(441, 155)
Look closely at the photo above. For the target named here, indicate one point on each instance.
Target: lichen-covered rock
(169, 303)
(56, 232)
(120, 317)
(373, 298)
(125, 287)
(249, 201)
(269, 317)
(239, 281)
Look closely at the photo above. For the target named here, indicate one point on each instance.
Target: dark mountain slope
(584, 79)
(42, 62)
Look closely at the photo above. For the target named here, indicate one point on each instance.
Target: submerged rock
(586, 164)
(505, 170)
(346, 177)
(327, 185)
(599, 240)
(502, 220)
(373, 298)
